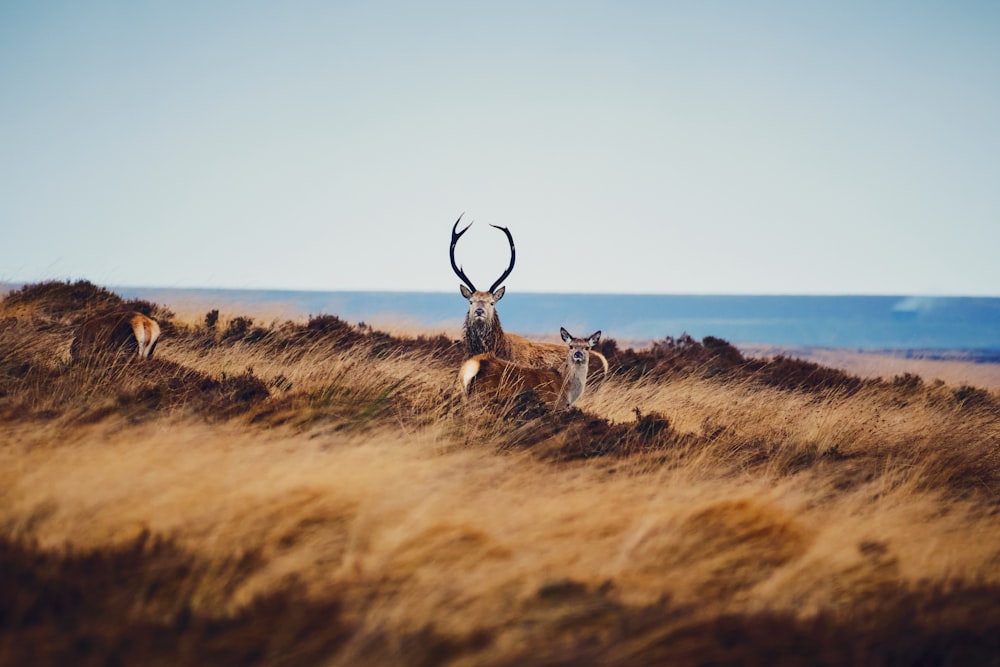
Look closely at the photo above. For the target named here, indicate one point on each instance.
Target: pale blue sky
(649, 147)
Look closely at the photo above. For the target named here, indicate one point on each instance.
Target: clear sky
(791, 147)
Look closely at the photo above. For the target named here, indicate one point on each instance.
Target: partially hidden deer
(486, 374)
(121, 332)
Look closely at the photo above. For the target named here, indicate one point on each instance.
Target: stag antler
(510, 239)
(455, 235)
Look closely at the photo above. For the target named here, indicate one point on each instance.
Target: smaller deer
(560, 387)
(111, 333)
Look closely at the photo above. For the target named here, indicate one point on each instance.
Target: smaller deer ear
(466, 292)
(595, 338)
(566, 336)
(499, 294)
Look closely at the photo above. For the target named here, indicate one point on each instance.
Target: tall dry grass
(324, 496)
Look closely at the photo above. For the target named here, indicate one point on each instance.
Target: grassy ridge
(311, 493)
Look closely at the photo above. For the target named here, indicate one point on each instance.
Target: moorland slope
(318, 493)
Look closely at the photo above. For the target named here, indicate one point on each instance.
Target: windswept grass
(319, 493)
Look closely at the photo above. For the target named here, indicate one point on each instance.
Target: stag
(482, 331)
(112, 333)
(560, 387)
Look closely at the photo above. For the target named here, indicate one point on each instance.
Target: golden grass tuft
(319, 493)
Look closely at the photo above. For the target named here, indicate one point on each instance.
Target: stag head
(482, 305)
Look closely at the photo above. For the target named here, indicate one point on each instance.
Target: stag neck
(486, 336)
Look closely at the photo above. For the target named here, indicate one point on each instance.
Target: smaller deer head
(579, 348)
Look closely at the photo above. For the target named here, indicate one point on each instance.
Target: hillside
(284, 493)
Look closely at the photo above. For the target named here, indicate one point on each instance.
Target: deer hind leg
(146, 332)
(468, 373)
(141, 337)
(152, 346)
(153, 337)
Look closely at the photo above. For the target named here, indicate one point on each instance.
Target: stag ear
(566, 336)
(499, 294)
(466, 292)
(595, 338)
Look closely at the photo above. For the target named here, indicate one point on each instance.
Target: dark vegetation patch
(973, 397)
(325, 326)
(242, 329)
(87, 393)
(148, 602)
(787, 373)
(379, 343)
(922, 625)
(714, 357)
(564, 435)
(68, 301)
(319, 331)
(73, 302)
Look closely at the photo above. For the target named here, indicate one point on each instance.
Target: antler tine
(510, 239)
(455, 235)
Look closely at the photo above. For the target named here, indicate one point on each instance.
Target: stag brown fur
(121, 332)
(482, 332)
(560, 387)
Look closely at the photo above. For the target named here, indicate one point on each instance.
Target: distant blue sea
(862, 322)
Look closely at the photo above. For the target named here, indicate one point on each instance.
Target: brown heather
(319, 494)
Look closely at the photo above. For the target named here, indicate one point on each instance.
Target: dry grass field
(319, 494)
